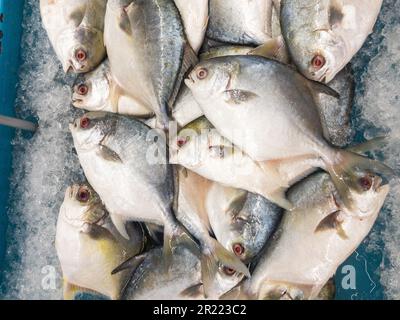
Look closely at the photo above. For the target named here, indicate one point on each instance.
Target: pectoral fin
(332, 222)
(237, 96)
(195, 291)
(272, 49)
(132, 263)
(108, 154)
(323, 88)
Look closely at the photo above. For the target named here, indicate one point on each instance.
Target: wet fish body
(323, 36)
(75, 29)
(89, 247)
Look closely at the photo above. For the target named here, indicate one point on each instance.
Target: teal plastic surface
(10, 39)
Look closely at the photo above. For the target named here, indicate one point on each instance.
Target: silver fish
(242, 221)
(98, 91)
(75, 29)
(323, 35)
(89, 247)
(312, 241)
(191, 212)
(144, 61)
(182, 282)
(240, 22)
(267, 110)
(129, 171)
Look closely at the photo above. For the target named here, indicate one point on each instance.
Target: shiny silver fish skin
(333, 30)
(250, 228)
(182, 282)
(75, 26)
(336, 113)
(130, 173)
(98, 91)
(240, 22)
(311, 241)
(144, 60)
(89, 247)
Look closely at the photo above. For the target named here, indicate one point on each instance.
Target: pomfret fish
(241, 221)
(192, 213)
(88, 245)
(144, 61)
(240, 22)
(182, 282)
(97, 91)
(268, 111)
(129, 171)
(75, 29)
(323, 35)
(311, 241)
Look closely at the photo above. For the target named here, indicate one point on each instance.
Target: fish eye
(365, 182)
(80, 55)
(82, 89)
(182, 141)
(202, 73)
(85, 122)
(83, 194)
(318, 61)
(238, 249)
(228, 271)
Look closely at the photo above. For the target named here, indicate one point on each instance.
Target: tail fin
(373, 144)
(214, 256)
(174, 236)
(347, 171)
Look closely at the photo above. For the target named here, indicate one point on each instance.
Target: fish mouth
(77, 102)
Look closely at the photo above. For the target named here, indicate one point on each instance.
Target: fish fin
(279, 198)
(195, 291)
(272, 49)
(115, 94)
(175, 236)
(108, 154)
(237, 96)
(345, 173)
(78, 15)
(215, 256)
(331, 222)
(124, 21)
(132, 263)
(373, 144)
(119, 224)
(237, 204)
(323, 88)
(154, 231)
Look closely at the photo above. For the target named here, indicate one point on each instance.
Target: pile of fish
(216, 147)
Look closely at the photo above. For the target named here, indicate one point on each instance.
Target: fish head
(225, 279)
(90, 130)
(212, 77)
(81, 50)
(319, 55)
(191, 143)
(82, 205)
(368, 196)
(91, 91)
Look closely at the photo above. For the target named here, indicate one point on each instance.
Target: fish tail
(213, 257)
(348, 172)
(176, 235)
